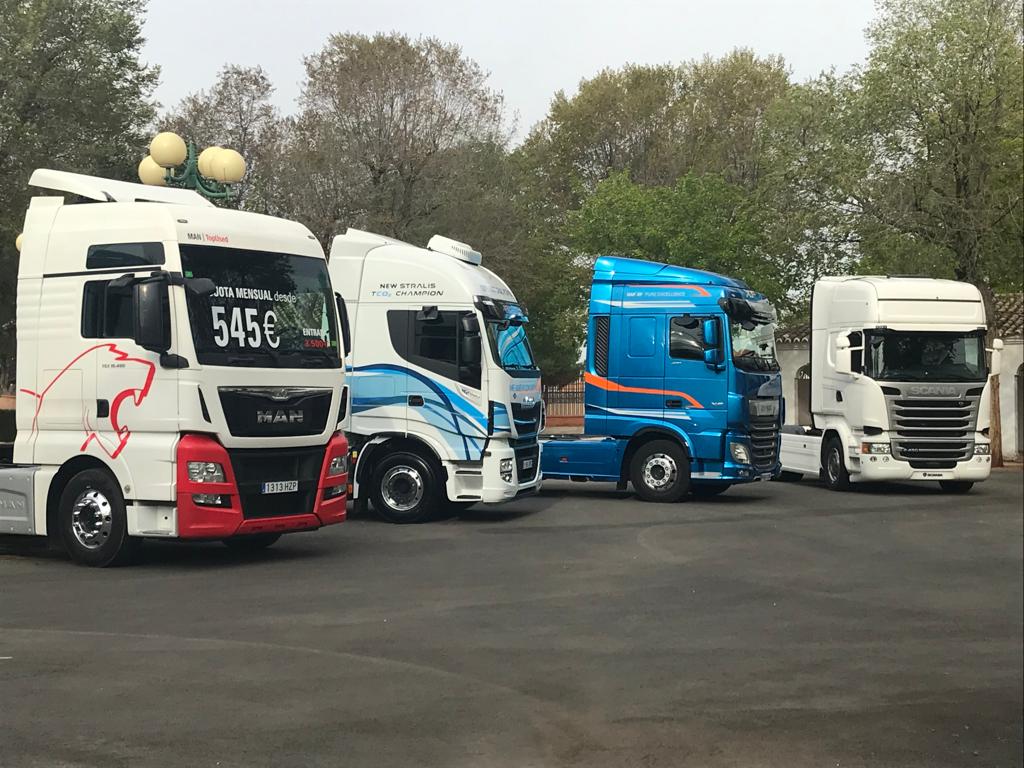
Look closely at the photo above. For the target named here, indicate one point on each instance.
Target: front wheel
(404, 489)
(660, 472)
(93, 522)
(955, 486)
(833, 470)
(252, 542)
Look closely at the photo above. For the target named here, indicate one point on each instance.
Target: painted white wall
(1011, 397)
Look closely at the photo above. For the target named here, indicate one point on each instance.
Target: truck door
(637, 374)
(695, 395)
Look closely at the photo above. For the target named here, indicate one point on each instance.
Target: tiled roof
(1009, 321)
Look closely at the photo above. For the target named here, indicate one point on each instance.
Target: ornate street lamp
(172, 162)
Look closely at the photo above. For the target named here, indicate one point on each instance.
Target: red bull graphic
(113, 440)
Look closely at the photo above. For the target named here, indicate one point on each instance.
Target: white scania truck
(446, 404)
(179, 373)
(899, 384)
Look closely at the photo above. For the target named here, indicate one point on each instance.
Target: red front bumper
(209, 521)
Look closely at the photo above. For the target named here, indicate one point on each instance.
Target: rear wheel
(833, 466)
(404, 489)
(252, 542)
(660, 471)
(955, 486)
(92, 520)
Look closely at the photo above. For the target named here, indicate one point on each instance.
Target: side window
(115, 255)
(686, 338)
(106, 314)
(432, 344)
(857, 355)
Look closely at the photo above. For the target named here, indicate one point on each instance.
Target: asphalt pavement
(778, 625)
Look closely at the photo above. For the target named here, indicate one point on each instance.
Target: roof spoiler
(112, 191)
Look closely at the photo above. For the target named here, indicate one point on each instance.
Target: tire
(833, 466)
(404, 489)
(92, 520)
(708, 490)
(955, 486)
(790, 477)
(253, 542)
(660, 472)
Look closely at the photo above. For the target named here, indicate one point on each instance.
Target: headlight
(982, 449)
(740, 453)
(338, 466)
(875, 448)
(205, 472)
(506, 470)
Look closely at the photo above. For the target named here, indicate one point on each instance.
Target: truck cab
(682, 387)
(446, 405)
(899, 384)
(179, 373)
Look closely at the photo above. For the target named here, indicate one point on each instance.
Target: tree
(237, 112)
(702, 222)
(383, 115)
(73, 96)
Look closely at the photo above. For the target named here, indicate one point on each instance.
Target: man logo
(280, 417)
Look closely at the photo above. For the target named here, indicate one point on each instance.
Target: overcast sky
(531, 48)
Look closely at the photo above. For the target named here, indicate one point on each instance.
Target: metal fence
(564, 401)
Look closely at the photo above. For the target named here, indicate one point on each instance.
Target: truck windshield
(925, 356)
(510, 347)
(753, 349)
(269, 310)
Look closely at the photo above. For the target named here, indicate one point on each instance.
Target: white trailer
(899, 385)
(179, 373)
(446, 404)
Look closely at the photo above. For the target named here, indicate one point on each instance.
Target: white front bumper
(884, 468)
(484, 483)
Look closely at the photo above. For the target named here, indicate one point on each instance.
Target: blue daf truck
(683, 391)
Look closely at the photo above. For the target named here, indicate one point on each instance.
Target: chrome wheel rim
(402, 488)
(91, 519)
(660, 471)
(833, 465)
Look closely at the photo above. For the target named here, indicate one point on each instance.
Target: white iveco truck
(445, 402)
(179, 373)
(899, 384)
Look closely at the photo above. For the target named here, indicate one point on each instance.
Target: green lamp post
(173, 163)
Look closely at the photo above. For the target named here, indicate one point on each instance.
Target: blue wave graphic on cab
(459, 423)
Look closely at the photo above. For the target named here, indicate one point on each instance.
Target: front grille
(275, 411)
(764, 443)
(933, 432)
(256, 466)
(526, 418)
(527, 455)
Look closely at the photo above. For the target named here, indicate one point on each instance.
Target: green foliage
(73, 96)
(702, 222)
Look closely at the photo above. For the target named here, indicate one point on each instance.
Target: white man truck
(179, 373)
(899, 385)
(445, 403)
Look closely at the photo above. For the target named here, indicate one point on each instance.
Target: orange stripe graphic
(611, 386)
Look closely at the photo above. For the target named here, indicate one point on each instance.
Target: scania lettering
(446, 401)
(682, 388)
(899, 385)
(167, 386)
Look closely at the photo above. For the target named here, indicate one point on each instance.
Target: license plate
(527, 463)
(280, 486)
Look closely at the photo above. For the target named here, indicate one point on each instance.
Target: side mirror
(470, 324)
(712, 343)
(200, 286)
(152, 314)
(844, 363)
(469, 350)
(346, 328)
(995, 357)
